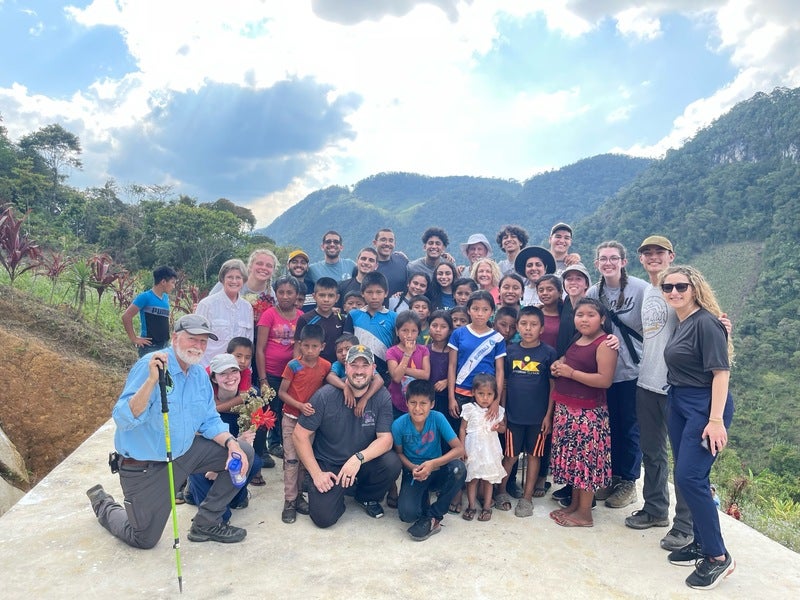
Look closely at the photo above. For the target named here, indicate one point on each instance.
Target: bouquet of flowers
(260, 302)
(254, 412)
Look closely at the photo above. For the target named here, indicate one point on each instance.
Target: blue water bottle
(235, 469)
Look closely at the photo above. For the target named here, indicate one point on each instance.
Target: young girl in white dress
(482, 446)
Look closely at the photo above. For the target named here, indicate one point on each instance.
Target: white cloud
(638, 23)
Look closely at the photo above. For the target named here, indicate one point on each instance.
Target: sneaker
(267, 462)
(675, 540)
(640, 519)
(301, 505)
(524, 508)
(686, 556)
(513, 489)
(424, 528)
(372, 508)
(564, 503)
(561, 493)
(623, 495)
(97, 495)
(289, 514)
(276, 450)
(221, 532)
(709, 572)
(243, 504)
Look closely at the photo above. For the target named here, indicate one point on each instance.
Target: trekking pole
(162, 384)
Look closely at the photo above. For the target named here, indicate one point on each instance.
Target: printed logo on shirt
(525, 365)
(368, 419)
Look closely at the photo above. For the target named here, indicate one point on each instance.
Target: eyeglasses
(331, 242)
(609, 259)
(680, 287)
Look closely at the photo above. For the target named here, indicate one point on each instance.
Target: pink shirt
(396, 390)
(279, 349)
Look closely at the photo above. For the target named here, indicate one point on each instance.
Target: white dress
(484, 454)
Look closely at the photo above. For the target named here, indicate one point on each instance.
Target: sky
(265, 101)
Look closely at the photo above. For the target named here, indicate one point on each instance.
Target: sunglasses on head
(680, 287)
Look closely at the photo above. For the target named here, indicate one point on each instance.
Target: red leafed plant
(186, 297)
(124, 289)
(18, 252)
(101, 277)
(53, 266)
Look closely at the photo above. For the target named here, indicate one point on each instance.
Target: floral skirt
(581, 453)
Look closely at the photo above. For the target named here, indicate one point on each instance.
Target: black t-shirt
(339, 433)
(698, 346)
(332, 326)
(527, 373)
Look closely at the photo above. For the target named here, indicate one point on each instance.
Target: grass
(108, 317)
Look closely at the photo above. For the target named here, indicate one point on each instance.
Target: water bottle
(235, 469)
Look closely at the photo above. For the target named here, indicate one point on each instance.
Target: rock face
(12, 468)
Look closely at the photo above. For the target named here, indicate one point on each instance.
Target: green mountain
(409, 203)
(733, 193)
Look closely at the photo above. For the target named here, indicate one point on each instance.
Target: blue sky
(264, 102)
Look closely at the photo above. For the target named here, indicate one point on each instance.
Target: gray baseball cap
(196, 325)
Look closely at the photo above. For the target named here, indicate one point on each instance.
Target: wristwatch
(360, 457)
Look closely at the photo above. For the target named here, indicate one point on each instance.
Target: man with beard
(333, 266)
(348, 451)
(297, 267)
(392, 264)
(200, 442)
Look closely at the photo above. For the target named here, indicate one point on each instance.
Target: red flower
(263, 418)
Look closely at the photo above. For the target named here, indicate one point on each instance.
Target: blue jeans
(414, 499)
(198, 486)
(626, 456)
(688, 416)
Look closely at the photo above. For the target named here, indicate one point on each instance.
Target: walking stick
(162, 384)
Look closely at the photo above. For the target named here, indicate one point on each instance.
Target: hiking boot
(640, 519)
(372, 508)
(276, 450)
(606, 492)
(710, 572)
(424, 528)
(301, 505)
(524, 508)
(267, 462)
(686, 556)
(675, 540)
(221, 532)
(561, 493)
(97, 495)
(289, 514)
(623, 495)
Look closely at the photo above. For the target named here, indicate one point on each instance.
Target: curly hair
(515, 230)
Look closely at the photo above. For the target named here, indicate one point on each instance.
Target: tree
(59, 149)
(245, 215)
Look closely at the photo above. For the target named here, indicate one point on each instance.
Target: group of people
(441, 375)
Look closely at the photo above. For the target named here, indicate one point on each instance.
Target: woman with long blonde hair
(698, 357)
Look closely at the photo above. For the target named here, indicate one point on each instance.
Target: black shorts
(524, 438)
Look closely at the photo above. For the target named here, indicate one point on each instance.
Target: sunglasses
(680, 287)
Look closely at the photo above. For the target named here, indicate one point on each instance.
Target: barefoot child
(419, 437)
(581, 434)
(529, 408)
(484, 457)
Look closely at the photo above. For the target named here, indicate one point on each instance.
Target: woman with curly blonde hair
(698, 357)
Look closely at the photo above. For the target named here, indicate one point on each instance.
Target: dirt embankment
(59, 379)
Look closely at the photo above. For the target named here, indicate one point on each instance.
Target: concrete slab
(51, 546)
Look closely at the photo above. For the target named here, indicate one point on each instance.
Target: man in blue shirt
(200, 442)
(335, 267)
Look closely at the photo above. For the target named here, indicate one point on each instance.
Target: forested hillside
(408, 203)
(736, 181)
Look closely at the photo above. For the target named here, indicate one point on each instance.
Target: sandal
(539, 492)
(502, 502)
(391, 501)
(469, 514)
(486, 515)
(258, 480)
(454, 508)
